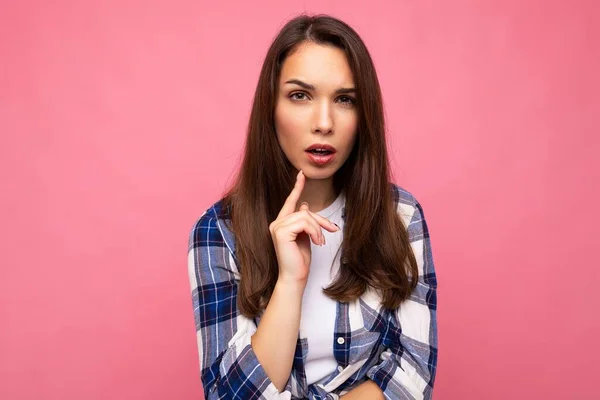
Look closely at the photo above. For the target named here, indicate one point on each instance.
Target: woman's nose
(323, 119)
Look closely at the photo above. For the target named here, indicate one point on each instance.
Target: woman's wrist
(290, 286)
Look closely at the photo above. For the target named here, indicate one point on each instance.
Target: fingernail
(337, 226)
(303, 203)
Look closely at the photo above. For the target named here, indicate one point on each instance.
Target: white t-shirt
(317, 321)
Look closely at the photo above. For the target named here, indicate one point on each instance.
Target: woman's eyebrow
(308, 86)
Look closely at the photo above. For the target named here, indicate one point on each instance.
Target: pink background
(121, 121)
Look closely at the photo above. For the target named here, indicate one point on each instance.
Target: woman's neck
(318, 193)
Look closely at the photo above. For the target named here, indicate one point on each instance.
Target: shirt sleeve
(407, 366)
(229, 367)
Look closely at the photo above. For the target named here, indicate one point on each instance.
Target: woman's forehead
(318, 65)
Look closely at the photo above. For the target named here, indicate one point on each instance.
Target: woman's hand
(291, 233)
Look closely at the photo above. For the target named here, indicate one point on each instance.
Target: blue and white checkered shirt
(396, 349)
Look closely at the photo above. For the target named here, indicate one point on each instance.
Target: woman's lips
(320, 159)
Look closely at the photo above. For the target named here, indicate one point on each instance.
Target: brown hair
(375, 251)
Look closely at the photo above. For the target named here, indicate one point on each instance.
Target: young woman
(313, 276)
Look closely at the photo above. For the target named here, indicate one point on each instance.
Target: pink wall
(121, 121)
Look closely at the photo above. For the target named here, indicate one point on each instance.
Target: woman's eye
(293, 95)
(299, 96)
(348, 100)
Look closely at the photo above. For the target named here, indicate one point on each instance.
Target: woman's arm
(408, 364)
(365, 391)
(229, 367)
(275, 339)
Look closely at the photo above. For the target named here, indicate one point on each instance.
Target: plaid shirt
(396, 349)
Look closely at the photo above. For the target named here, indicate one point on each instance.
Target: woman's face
(316, 105)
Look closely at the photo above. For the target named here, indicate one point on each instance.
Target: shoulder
(407, 205)
(205, 230)
(403, 196)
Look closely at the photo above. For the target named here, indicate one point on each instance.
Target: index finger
(290, 203)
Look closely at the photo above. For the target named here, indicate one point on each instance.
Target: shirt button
(340, 368)
(340, 340)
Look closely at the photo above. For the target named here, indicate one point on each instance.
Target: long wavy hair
(375, 250)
